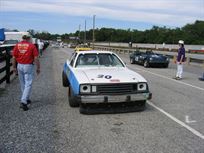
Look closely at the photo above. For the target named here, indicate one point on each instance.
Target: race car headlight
(93, 89)
(85, 88)
(141, 86)
(150, 58)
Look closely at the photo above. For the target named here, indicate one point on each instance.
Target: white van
(15, 35)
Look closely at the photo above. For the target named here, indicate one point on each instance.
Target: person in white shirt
(40, 46)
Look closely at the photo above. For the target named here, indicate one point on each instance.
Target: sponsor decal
(114, 80)
(23, 48)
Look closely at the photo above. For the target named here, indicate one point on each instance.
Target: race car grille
(116, 88)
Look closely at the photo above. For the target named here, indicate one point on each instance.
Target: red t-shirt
(24, 52)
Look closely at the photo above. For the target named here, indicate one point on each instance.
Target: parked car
(149, 58)
(73, 45)
(10, 42)
(64, 45)
(102, 77)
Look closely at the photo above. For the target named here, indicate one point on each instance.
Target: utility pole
(93, 30)
(85, 33)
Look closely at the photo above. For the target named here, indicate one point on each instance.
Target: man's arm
(181, 59)
(14, 64)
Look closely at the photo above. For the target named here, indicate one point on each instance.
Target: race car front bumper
(115, 98)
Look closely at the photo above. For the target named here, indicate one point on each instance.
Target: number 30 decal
(104, 76)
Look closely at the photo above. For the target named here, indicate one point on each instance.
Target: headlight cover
(141, 86)
(85, 88)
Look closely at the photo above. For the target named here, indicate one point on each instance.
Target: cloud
(162, 12)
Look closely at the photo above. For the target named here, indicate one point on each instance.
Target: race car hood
(108, 75)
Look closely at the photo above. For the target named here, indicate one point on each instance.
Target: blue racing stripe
(72, 79)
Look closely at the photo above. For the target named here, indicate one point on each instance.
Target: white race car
(102, 77)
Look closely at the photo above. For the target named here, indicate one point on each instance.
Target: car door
(137, 56)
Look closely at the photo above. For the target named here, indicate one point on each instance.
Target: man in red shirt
(25, 54)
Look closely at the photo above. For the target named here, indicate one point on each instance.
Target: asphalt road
(172, 123)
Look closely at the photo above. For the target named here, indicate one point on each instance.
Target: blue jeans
(26, 74)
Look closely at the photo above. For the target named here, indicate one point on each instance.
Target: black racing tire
(141, 105)
(83, 109)
(65, 81)
(72, 100)
(146, 64)
(131, 61)
(166, 65)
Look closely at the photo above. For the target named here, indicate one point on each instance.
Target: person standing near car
(180, 60)
(26, 54)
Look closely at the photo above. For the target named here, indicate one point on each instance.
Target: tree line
(190, 33)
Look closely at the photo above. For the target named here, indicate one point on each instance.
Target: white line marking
(178, 121)
(177, 81)
(188, 120)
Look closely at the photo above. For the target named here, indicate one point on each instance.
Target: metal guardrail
(173, 55)
(167, 47)
(5, 57)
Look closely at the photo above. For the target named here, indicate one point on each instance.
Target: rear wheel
(146, 63)
(132, 61)
(72, 100)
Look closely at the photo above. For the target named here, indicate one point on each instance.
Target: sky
(65, 16)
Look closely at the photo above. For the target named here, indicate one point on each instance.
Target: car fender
(74, 84)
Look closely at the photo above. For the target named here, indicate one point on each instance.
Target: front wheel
(72, 100)
(132, 61)
(146, 63)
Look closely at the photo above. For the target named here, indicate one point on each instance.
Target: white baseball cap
(181, 42)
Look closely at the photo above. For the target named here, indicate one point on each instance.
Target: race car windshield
(102, 59)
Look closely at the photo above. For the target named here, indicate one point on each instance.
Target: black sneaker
(179, 78)
(28, 101)
(24, 107)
